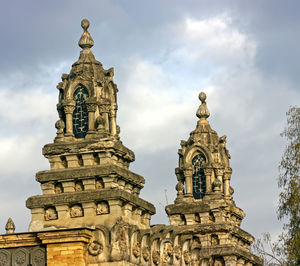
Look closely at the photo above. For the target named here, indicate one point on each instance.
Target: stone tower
(204, 201)
(89, 183)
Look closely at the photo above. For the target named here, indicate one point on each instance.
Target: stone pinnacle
(202, 111)
(86, 41)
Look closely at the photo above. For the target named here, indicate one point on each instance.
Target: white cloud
(23, 107)
(215, 40)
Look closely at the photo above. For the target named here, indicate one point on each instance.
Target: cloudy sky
(243, 54)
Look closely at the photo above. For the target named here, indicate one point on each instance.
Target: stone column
(68, 109)
(188, 174)
(91, 107)
(113, 121)
(227, 176)
(219, 173)
(104, 110)
(207, 172)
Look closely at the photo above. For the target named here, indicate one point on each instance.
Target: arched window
(80, 114)
(199, 185)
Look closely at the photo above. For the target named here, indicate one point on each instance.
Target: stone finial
(202, 111)
(10, 226)
(86, 41)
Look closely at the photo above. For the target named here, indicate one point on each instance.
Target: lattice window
(199, 185)
(80, 114)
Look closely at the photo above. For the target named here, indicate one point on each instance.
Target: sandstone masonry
(90, 211)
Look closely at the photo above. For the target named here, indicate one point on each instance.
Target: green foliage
(289, 183)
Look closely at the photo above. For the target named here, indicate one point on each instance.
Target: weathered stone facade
(90, 212)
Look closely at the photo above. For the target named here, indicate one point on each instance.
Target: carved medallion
(4, 258)
(102, 208)
(50, 214)
(76, 211)
(38, 257)
(20, 257)
(95, 248)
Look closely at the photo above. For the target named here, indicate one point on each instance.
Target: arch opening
(80, 113)
(199, 184)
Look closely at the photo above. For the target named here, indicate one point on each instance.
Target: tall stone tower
(89, 183)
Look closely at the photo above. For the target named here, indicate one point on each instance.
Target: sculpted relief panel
(35, 256)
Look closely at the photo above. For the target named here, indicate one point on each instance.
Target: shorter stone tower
(204, 201)
(89, 183)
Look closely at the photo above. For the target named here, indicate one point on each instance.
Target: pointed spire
(86, 41)
(10, 226)
(202, 111)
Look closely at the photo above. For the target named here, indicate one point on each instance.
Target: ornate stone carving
(217, 185)
(91, 107)
(79, 186)
(180, 189)
(10, 226)
(136, 250)
(177, 252)
(99, 184)
(202, 110)
(155, 257)
(100, 123)
(5, 258)
(95, 248)
(20, 257)
(86, 41)
(146, 253)
(69, 109)
(102, 208)
(122, 242)
(37, 257)
(60, 126)
(187, 256)
(58, 188)
(167, 253)
(214, 240)
(50, 214)
(76, 211)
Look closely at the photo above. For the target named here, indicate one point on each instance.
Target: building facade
(90, 211)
